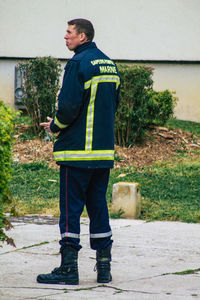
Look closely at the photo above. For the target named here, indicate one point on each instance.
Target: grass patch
(23, 119)
(170, 190)
(24, 128)
(192, 127)
(26, 247)
(35, 189)
(187, 272)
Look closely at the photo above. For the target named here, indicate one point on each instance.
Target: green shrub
(7, 115)
(160, 107)
(140, 105)
(40, 86)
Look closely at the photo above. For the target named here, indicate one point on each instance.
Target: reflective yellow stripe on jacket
(88, 153)
(93, 83)
(84, 155)
(60, 125)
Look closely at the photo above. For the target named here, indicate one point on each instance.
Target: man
(84, 150)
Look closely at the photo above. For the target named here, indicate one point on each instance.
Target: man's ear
(83, 37)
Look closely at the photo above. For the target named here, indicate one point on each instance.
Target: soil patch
(160, 144)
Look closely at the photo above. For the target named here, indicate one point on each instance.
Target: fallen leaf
(123, 175)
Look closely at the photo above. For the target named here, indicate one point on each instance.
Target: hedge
(40, 85)
(140, 106)
(7, 115)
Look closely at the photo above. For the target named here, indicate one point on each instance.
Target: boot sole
(104, 280)
(58, 282)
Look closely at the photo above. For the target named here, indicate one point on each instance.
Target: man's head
(79, 31)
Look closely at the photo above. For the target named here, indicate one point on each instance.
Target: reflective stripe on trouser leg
(71, 207)
(100, 231)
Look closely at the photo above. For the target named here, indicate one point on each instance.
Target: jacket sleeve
(117, 101)
(70, 97)
(117, 98)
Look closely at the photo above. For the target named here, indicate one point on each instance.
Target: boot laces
(56, 270)
(61, 269)
(101, 265)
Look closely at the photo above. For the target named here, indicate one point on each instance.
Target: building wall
(129, 29)
(182, 78)
(7, 69)
(144, 29)
(135, 30)
(30, 28)
(7, 79)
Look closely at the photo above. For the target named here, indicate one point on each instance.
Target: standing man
(84, 150)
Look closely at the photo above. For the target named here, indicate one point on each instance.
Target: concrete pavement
(145, 258)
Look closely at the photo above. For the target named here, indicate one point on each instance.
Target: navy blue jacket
(86, 110)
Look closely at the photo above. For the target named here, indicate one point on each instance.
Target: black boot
(103, 257)
(67, 273)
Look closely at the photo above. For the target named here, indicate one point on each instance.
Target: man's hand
(47, 124)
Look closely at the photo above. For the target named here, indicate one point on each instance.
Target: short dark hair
(83, 25)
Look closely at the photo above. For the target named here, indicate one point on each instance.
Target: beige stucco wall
(185, 80)
(182, 78)
(135, 30)
(128, 29)
(7, 79)
(7, 68)
(143, 29)
(31, 28)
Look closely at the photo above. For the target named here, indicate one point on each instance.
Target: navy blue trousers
(80, 187)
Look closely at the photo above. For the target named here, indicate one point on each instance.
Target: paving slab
(145, 258)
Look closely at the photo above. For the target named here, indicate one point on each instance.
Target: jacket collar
(87, 45)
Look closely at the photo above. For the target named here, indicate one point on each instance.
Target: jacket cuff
(53, 127)
(59, 124)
